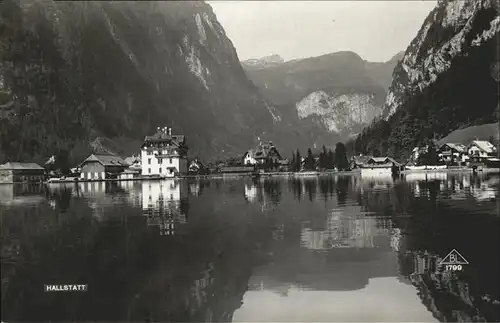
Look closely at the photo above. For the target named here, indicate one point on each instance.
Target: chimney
(169, 131)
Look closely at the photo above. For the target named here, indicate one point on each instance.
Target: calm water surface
(277, 250)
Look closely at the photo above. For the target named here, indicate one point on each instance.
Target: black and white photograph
(250, 161)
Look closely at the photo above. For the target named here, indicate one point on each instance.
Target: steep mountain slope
(334, 95)
(443, 82)
(71, 72)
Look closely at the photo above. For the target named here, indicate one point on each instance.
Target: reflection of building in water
(347, 228)
(437, 287)
(194, 189)
(315, 240)
(462, 187)
(162, 204)
(250, 191)
(425, 176)
(21, 194)
(266, 192)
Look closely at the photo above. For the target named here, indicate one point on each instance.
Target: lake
(326, 249)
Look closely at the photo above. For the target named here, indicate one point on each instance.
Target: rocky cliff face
(333, 95)
(74, 71)
(443, 82)
(453, 31)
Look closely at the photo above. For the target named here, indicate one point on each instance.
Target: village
(165, 155)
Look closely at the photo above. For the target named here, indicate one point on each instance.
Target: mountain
(264, 62)
(76, 73)
(332, 95)
(443, 82)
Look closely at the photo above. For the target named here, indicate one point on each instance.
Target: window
(159, 170)
(170, 161)
(149, 161)
(159, 161)
(149, 170)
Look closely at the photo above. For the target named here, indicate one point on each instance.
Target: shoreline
(355, 172)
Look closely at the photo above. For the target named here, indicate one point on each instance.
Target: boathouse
(16, 172)
(102, 166)
(380, 166)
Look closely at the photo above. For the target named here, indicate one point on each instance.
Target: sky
(375, 30)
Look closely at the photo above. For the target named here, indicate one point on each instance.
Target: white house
(265, 152)
(481, 150)
(164, 154)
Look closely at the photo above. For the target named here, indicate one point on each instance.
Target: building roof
(457, 147)
(484, 145)
(360, 159)
(21, 166)
(197, 161)
(383, 160)
(263, 150)
(106, 160)
(162, 136)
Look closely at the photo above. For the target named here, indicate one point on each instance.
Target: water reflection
(21, 194)
(303, 249)
(164, 204)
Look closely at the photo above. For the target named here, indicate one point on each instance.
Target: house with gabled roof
(481, 150)
(196, 166)
(452, 153)
(102, 166)
(358, 161)
(264, 153)
(15, 172)
(380, 166)
(164, 154)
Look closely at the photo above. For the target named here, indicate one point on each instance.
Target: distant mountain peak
(263, 62)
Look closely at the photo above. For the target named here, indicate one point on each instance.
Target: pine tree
(323, 158)
(330, 160)
(297, 161)
(341, 161)
(309, 162)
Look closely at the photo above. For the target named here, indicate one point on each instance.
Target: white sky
(376, 30)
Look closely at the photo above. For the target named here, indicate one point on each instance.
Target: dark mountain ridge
(72, 72)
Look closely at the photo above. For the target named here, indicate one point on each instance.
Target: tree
(330, 160)
(309, 162)
(341, 161)
(323, 158)
(298, 160)
(62, 162)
